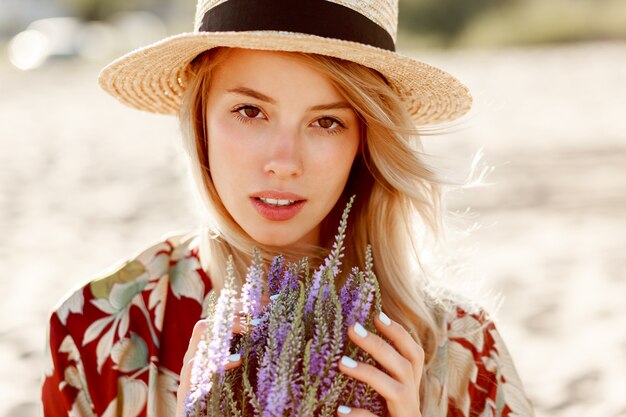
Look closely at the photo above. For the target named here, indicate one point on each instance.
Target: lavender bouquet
(292, 346)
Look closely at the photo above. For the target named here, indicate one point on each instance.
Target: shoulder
(456, 315)
(475, 363)
(462, 320)
(131, 274)
(107, 333)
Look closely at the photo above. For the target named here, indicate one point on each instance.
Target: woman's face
(282, 141)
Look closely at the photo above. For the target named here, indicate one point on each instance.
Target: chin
(274, 239)
(279, 237)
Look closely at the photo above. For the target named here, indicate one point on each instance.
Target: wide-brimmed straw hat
(154, 77)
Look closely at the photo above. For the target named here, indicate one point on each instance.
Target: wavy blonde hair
(398, 196)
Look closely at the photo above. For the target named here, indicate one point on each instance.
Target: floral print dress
(116, 346)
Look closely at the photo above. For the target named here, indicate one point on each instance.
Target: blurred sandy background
(85, 181)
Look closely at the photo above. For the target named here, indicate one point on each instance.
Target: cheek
(225, 159)
(337, 160)
(218, 132)
(227, 147)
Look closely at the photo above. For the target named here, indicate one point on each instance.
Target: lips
(277, 205)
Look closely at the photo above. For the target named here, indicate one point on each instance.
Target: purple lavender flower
(214, 347)
(290, 278)
(276, 400)
(292, 352)
(265, 375)
(363, 303)
(252, 290)
(359, 394)
(349, 294)
(319, 349)
(330, 269)
(326, 272)
(289, 358)
(278, 330)
(338, 341)
(369, 273)
(274, 276)
(315, 285)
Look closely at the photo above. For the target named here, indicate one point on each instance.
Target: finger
(401, 339)
(264, 300)
(234, 361)
(183, 389)
(382, 383)
(386, 355)
(239, 325)
(199, 330)
(184, 385)
(344, 410)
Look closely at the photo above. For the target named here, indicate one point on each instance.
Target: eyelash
(330, 131)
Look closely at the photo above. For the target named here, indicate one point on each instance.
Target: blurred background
(85, 181)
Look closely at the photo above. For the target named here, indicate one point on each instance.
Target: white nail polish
(349, 362)
(360, 330)
(234, 357)
(344, 409)
(274, 297)
(384, 319)
(255, 322)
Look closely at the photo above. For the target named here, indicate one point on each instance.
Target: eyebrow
(260, 96)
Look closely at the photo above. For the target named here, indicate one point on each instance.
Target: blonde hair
(391, 180)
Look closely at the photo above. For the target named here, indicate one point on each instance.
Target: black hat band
(314, 17)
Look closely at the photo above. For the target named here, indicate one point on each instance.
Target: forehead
(273, 72)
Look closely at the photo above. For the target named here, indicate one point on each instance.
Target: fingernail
(349, 362)
(360, 330)
(384, 319)
(234, 357)
(255, 322)
(274, 297)
(344, 409)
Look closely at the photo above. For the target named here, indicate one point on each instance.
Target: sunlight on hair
(478, 172)
(449, 262)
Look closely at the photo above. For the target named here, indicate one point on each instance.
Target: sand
(86, 181)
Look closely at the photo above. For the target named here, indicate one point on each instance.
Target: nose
(284, 159)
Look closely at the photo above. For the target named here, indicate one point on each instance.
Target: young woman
(287, 109)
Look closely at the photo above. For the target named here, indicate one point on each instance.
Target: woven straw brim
(153, 78)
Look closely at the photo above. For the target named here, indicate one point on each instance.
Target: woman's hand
(185, 374)
(198, 330)
(403, 361)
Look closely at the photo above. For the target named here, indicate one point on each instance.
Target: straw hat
(153, 78)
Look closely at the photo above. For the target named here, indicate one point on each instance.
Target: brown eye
(326, 122)
(251, 112)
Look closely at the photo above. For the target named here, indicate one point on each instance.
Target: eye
(327, 123)
(247, 112)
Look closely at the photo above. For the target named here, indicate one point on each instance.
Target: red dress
(107, 357)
